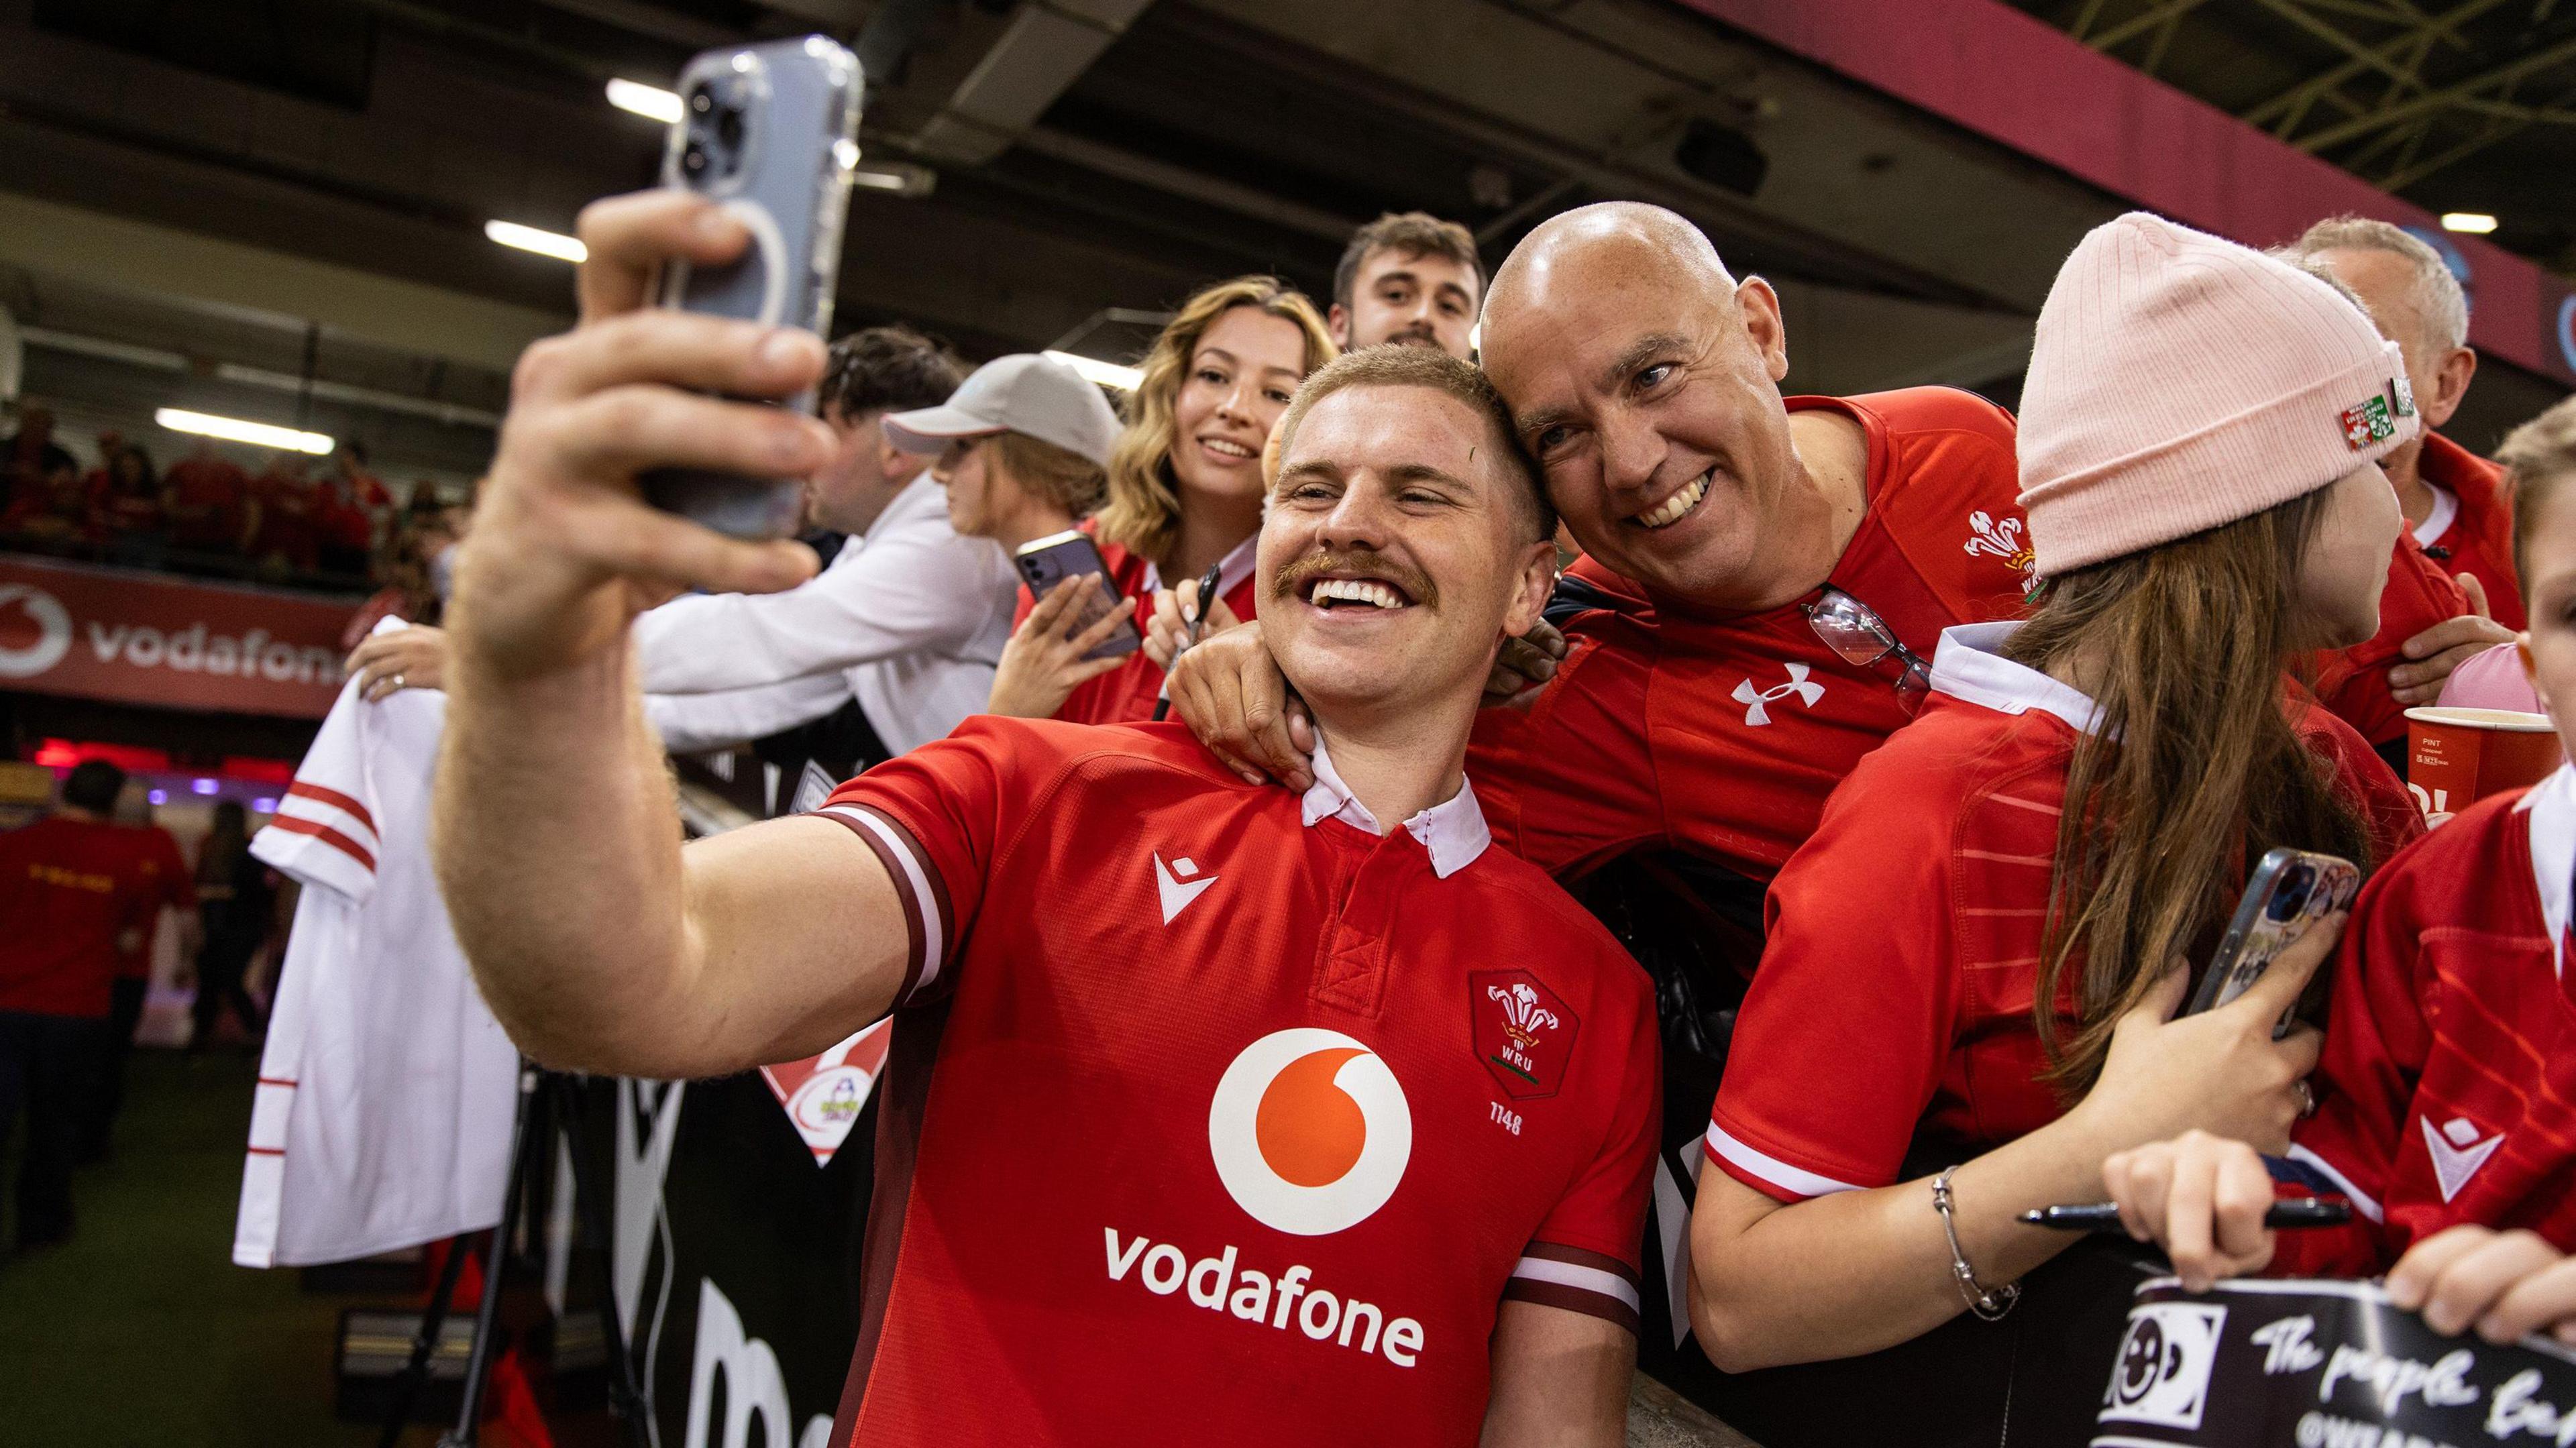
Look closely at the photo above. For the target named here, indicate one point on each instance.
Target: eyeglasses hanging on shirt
(1859, 637)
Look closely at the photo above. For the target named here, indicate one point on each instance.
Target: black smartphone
(1070, 554)
(2290, 891)
(771, 132)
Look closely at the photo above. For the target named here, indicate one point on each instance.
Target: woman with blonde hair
(1185, 491)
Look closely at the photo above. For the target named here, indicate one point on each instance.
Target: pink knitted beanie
(2178, 382)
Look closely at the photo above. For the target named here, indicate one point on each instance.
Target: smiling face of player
(1645, 380)
(1245, 368)
(1399, 551)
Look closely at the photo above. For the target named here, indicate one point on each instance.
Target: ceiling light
(233, 429)
(651, 102)
(901, 178)
(1106, 374)
(2475, 223)
(543, 243)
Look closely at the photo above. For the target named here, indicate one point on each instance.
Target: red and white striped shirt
(386, 1088)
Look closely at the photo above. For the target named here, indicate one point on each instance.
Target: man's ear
(1338, 322)
(1758, 307)
(1531, 589)
(2450, 385)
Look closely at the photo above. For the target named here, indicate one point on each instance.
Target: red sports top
(2444, 1095)
(2479, 537)
(1127, 693)
(157, 879)
(66, 892)
(2353, 683)
(1721, 734)
(1894, 997)
(206, 499)
(1207, 1100)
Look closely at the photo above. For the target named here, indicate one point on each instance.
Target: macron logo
(1178, 883)
(2457, 1152)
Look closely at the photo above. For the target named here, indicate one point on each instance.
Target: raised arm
(598, 941)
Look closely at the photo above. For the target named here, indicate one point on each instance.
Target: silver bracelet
(1989, 1306)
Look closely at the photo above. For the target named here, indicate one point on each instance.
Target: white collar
(2446, 507)
(2552, 807)
(1453, 830)
(919, 496)
(1970, 665)
(1232, 569)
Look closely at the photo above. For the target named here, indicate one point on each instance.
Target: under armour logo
(2457, 1152)
(1178, 883)
(1757, 702)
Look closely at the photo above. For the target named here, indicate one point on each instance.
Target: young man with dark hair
(67, 893)
(1205, 1098)
(1412, 279)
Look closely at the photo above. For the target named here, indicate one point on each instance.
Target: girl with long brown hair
(1185, 486)
(1967, 997)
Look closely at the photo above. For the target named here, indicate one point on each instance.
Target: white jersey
(386, 1090)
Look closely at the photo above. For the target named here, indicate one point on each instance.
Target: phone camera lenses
(701, 100)
(2292, 897)
(694, 159)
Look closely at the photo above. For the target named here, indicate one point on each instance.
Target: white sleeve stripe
(1770, 1168)
(2361, 1200)
(296, 806)
(1586, 1279)
(917, 872)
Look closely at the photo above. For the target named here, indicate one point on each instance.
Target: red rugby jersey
(66, 891)
(1912, 922)
(2353, 683)
(1127, 693)
(2444, 1094)
(157, 878)
(1721, 734)
(2479, 537)
(1212, 1113)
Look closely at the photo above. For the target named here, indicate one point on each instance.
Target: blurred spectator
(417, 566)
(32, 459)
(288, 539)
(237, 903)
(127, 510)
(66, 902)
(210, 505)
(156, 879)
(351, 510)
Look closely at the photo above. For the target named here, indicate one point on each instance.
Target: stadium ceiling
(2456, 105)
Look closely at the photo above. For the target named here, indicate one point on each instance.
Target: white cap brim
(931, 429)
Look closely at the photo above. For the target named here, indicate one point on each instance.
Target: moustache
(1292, 578)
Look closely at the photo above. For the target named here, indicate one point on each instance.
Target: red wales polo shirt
(2471, 530)
(1722, 733)
(1912, 923)
(67, 890)
(2444, 1094)
(1212, 1112)
(1127, 694)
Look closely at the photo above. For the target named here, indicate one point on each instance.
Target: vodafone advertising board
(142, 638)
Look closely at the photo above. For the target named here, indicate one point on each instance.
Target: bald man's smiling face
(1645, 381)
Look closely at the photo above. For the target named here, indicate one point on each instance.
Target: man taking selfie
(1206, 1098)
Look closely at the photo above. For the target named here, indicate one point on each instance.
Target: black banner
(2292, 1364)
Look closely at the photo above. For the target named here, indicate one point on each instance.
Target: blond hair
(2538, 457)
(1059, 475)
(1143, 514)
(1389, 366)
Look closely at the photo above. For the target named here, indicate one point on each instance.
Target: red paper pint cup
(2456, 757)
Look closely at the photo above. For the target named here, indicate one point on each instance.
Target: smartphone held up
(770, 132)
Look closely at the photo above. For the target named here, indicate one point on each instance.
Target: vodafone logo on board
(1310, 1131)
(35, 631)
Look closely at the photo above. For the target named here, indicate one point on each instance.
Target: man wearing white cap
(1023, 451)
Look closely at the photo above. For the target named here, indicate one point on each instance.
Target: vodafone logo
(1310, 1131)
(24, 651)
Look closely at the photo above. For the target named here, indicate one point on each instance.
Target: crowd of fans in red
(332, 524)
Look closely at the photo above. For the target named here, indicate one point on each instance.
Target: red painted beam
(2018, 81)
